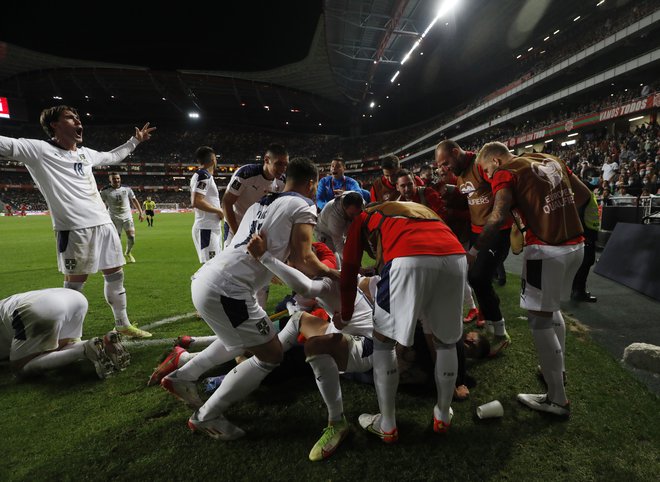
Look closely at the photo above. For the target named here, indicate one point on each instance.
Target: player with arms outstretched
(87, 241)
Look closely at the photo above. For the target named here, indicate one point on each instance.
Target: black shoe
(583, 296)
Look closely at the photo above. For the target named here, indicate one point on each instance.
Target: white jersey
(202, 182)
(235, 272)
(249, 185)
(118, 201)
(65, 178)
(332, 226)
(327, 294)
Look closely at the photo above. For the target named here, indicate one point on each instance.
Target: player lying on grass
(40, 330)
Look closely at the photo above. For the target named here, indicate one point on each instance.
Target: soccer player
(474, 183)
(422, 268)
(224, 292)
(335, 219)
(334, 185)
(329, 348)
(205, 200)
(149, 207)
(40, 330)
(547, 196)
(247, 186)
(250, 183)
(87, 241)
(119, 199)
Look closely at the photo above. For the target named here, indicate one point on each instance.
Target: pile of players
(422, 274)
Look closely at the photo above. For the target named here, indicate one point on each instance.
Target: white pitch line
(148, 342)
(166, 321)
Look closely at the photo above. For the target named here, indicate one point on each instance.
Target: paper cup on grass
(492, 409)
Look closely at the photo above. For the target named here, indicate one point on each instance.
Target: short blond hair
(491, 149)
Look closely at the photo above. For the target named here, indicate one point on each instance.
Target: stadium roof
(302, 64)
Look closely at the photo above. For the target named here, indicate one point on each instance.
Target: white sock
(237, 384)
(202, 341)
(446, 370)
(468, 299)
(212, 356)
(560, 329)
(185, 358)
(498, 327)
(289, 334)
(55, 359)
(551, 358)
(327, 379)
(386, 380)
(75, 285)
(130, 241)
(115, 295)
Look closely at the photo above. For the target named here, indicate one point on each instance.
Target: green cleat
(132, 331)
(332, 436)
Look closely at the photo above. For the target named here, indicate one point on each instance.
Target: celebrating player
(335, 220)
(119, 198)
(545, 193)
(40, 330)
(205, 200)
(87, 241)
(224, 292)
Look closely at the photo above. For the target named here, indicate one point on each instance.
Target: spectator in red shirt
(384, 188)
(426, 195)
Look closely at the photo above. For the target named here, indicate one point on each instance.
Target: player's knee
(315, 346)
(538, 322)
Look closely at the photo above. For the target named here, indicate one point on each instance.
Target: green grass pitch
(72, 426)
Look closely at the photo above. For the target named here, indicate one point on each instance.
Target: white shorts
(545, 282)
(88, 250)
(421, 287)
(123, 224)
(207, 242)
(360, 353)
(238, 322)
(43, 319)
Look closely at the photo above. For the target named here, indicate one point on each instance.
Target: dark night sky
(222, 35)
(461, 61)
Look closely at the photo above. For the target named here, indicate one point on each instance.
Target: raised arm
(120, 153)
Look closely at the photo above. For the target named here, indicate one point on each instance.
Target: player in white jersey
(329, 349)
(335, 219)
(40, 330)
(205, 200)
(119, 199)
(86, 239)
(250, 183)
(224, 292)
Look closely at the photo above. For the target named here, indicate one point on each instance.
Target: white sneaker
(541, 403)
(218, 428)
(183, 390)
(94, 352)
